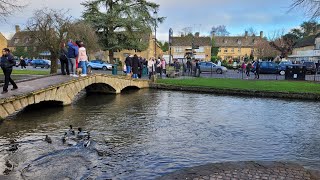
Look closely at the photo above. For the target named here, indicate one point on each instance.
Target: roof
(21, 38)
(187, 41)
(236, 41)
(306, 41)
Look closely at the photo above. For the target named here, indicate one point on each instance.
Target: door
(264, 67)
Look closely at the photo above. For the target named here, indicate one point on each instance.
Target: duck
(8, 164)
(9, 168)
(13, 146)
(48, 139)
(86, 143)
(83, 134)
(70, 132)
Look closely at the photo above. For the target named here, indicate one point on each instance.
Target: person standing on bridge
(73, 52)
(83, 59)
(7, 62)
(135, 66)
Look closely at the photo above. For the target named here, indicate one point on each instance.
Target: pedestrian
(7, 62)
(248, 69)
(151, 67)
(64, 59)
(257, 71)
(128, 63)
(189, 65)
(243, 67)
(83, 59)
(23, 63)
(163, 65)
(73, 52)
(135, 66)
(140, 67)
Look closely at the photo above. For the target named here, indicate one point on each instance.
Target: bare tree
(310, 7)
(264, 50)
(220, 30)
(186, 31)
(7, 7)
(284, 44)
(49, 28)
(251, 31)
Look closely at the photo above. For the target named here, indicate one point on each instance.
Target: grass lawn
(260, 85)
(28, 72)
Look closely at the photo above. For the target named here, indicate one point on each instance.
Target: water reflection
(148, 133)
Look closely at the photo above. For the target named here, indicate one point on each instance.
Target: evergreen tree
(121, 24)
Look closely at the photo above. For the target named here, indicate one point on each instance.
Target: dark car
(41, 63)
(283, 66)
(267, 67)
(310, 67)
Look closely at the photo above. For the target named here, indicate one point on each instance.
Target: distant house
(183, 44)
(237, 47)
(307, 49)
(23, 40)
(147, 53)
(3, 41)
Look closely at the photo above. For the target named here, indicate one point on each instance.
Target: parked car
(211, 67)
(310, 67)
(41, 63)
(283, 66)
(267, 67)
(29, 62)
(99, 64)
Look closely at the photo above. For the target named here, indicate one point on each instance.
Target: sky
(237, 15)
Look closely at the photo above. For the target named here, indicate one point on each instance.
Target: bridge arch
(67, 91)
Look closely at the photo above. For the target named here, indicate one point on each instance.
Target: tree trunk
(54, 64)
(111, 58)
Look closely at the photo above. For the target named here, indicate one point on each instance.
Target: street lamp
(155, 32)
(170, 43)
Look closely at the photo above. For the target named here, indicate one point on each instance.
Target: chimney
(17, 28)
(246, 34)
(197, 34)
(261, 34)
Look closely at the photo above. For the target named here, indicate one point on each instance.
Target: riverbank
(244, 170)
(252, 88)
(28, 72)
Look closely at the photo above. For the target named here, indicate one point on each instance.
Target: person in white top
(151, 67)
(83, 59)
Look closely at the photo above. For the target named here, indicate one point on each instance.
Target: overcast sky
(201, 15)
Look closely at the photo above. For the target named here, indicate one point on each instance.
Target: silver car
(211, 67)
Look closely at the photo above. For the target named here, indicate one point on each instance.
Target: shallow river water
(147, 133)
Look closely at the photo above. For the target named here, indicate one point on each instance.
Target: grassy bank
(28, 72)
(259, 85)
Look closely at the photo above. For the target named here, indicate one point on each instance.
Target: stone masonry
(61, 88)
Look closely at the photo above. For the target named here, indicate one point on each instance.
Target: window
(178, 49)
(239, 41)
(232, 50)
(239, 50)
(225, 50)
(16, 40)
(200, 50)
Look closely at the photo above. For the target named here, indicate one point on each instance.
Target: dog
(79, 71)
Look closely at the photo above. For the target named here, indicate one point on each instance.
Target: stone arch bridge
(62, 89)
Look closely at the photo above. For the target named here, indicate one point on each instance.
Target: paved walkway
(33, 85)
(245, 171)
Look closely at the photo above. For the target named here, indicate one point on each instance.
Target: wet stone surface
(245, 170)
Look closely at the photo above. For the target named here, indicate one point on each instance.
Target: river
(147, 133)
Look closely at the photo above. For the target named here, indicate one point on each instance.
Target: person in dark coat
(128, 63)
(7, 62)
(257, 72)
(64, 59)
(135, 66)
(140, 67)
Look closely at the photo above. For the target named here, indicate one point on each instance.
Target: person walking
(163, 65)
(257, 71)
(22, 63)
(128, 63)
(151, 67)
(248, 69)
(73, 52)
(64, 59)
(83, 59)
(135, 66)
(7, 62)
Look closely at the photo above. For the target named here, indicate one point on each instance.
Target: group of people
(73, 59)
(249, 67)
(134, 66)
